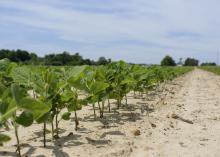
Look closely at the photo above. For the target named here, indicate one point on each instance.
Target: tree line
(65, 58)
(60, 59)
(169, 61)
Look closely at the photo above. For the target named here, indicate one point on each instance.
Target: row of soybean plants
(38, 94)
(214, 69)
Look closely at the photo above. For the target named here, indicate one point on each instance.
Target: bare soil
(197, 101)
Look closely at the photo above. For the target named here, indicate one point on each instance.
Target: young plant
(42, 82)
(15, 99)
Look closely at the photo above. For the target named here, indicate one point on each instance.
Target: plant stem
(93, 106)
(126, 99)
(102, 113)
(44, 134)
(52, 129)
(56, 121)
(119, 103)
(76, 121)
(109, 107)
(100, 110)
(17, 138)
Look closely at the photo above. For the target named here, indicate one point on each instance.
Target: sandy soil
(199, 101)
(194, 97)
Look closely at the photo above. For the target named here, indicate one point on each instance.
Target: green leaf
(17, 93)
(75, 71)
(26, 119)
(21, 75)
(4, 65)
(92, 99)
(77, 82)
(98, 87)
(82, 101)
(37, 108)
(128, 81)
(8, 114)
(2, 89)
(44, 118)
(74, 106)
(66, 96)
(3, 107)
(66, 116)
(4, 138)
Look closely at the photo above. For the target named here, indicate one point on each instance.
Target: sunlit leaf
(4, 138)
(38, 108)
(25, 118)
(66, 116)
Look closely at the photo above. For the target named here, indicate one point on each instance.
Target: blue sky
(140, 31)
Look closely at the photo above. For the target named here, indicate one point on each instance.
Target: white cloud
(180, 27)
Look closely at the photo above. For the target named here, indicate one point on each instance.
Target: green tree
(15, 56)
(168, 61)
(191, 62)
(208, 64)
(103, 61)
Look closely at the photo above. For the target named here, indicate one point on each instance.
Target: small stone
(148, 148)
(182, 144)
(179, 105)
(171, 125)
(153, 125)
(137, 132)
(56, 137)
(174, 116)
(70, 134)
(215, 118)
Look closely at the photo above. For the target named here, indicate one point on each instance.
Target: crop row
(40, 94)
(214, 69)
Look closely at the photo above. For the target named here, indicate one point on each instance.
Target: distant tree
(103, 61)
(50, 59)
(34, 59)
(64, 58)
(88, 62)
(191, 62)
(59, 59)
(77, 59)
(12, 56)
(4, 53)
(15, 56)
(22, 55)
(168, 61)
(209, 64)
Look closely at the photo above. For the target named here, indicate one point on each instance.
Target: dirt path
(199, 101)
